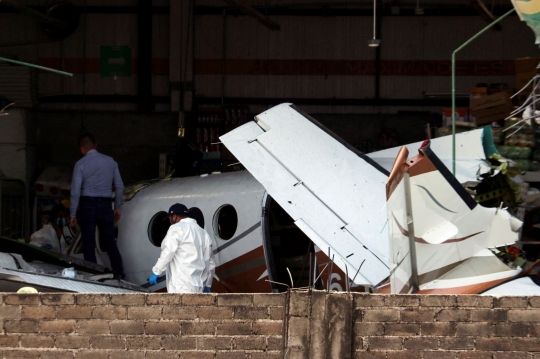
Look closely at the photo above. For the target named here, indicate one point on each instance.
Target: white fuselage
(209, 194)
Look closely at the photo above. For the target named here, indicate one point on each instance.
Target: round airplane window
(197, 215)
(158, 227)
(225, 222)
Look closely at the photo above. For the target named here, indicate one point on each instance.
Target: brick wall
(297, 325)
(138, 326)
(367, 326)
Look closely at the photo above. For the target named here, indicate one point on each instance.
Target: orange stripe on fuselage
(257, 252)
(244, 281)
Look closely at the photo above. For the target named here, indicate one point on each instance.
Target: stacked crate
(492, 108)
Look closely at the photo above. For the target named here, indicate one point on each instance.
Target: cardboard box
(477, 92)
(492, 114)
(498, 99)
(526, 69)
(527, 64)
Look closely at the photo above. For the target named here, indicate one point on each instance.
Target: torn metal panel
(12, 279)
(334, 194)
(31, 253)
(7, 261)
(470, 158)
(46, 270)
(444, 228)
(482, 268)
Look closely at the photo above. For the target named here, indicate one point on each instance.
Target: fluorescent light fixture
(418, 10)
(374, 42)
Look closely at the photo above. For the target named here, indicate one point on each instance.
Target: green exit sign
(115, 61)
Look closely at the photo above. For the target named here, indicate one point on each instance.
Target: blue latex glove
(206, 290)
(153, 279)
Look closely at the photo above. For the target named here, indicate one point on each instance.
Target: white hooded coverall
(188, 258)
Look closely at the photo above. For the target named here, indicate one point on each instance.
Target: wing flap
(318, 220)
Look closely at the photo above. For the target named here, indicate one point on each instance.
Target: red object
(514, 251)
(425, 143)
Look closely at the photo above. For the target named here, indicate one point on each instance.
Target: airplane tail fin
(434, 224)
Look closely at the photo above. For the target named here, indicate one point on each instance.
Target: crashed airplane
(313, 211)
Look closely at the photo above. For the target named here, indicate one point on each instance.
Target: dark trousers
(97, 211)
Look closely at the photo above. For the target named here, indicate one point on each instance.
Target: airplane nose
(515, 224)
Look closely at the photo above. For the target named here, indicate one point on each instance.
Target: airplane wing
(335, 194)
(469, 154)
(529, 11)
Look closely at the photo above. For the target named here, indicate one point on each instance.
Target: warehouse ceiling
(288, 7)
(488, 9)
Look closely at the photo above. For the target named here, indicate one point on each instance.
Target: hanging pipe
(454, 84)
(35, 66)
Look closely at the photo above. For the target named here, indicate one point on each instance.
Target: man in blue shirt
(91, 190)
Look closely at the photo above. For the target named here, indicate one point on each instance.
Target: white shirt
(188, 258)
(94, 176)
(47, 235)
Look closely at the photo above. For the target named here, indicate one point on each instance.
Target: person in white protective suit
(186, 255)
(55, 235)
